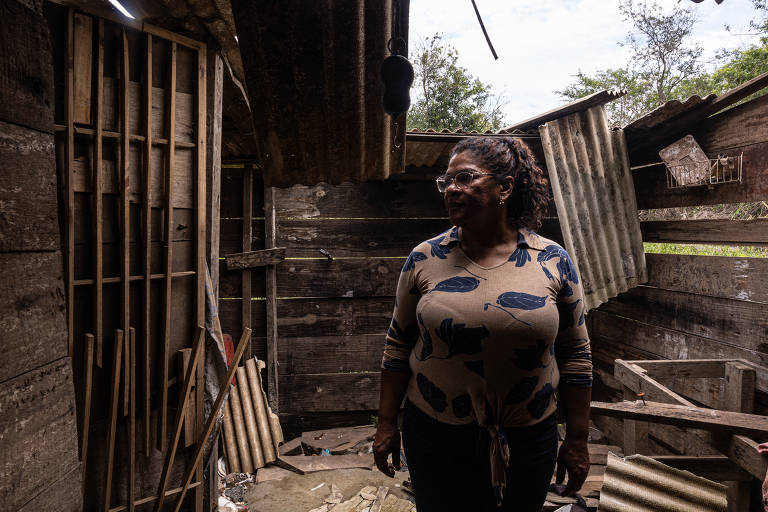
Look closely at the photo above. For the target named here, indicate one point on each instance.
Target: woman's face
(478, 202)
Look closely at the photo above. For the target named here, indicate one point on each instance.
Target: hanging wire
(485, 33)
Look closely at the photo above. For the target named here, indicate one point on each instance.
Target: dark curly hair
(508, 156)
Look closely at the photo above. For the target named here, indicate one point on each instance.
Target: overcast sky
(542, 43)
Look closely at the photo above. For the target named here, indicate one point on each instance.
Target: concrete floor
(293, 493)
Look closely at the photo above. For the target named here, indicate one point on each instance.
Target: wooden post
(270, 229)
(247, 236)
(635, 432)
(190, 417)
(214, 91)
(147, 220)
(69, 213)
(189, 379)
(98, 213)
(125, 215)
(200, 206)
(86, 425)
(113, 407)
(168, 237)
(131, 355)
(209, 424)
(739, 396)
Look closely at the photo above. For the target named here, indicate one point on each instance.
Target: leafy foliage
(448, 96)
(664, 63)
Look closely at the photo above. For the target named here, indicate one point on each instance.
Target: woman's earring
(501, 202)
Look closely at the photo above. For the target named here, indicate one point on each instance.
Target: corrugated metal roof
(313, 78)
(641, 484)
(594, 193)
(579, 105)
(432, 149)
(667, 111)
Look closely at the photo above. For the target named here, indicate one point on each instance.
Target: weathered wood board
(26, 82)
(39, 426)
(331, 354)
(32, 314)
(29, 220)
(303, 464)
(329, 392)
(732, 232)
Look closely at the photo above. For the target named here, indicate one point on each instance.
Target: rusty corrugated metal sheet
(667, 111)
(641, 484)
(578, 105)
(313, 77)
(594, 193)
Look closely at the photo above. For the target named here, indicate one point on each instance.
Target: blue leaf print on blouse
(426, 339)
(432, 394)
(462, 406)
(457, 284)
(475, 367)
(521, 390)
(517, 300)
(551, 251)
(440, 251)
(566, 311)
(538, 406)
(410, 263)
(461, 339)
(520, 256)
(529, 358)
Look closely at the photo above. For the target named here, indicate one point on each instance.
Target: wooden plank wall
(39, 468)
(695, 306)
(331, 315)
(130, 139)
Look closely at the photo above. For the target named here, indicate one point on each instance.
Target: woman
(488, 322)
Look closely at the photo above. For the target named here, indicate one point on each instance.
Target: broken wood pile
(369, 499)
(705, 432)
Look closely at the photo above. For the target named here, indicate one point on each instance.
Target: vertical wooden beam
(739, 396)
(635, 432)
(270, 228)
(147, 221)
(85, 428)
(131, 355)
(247, 237)
(125, 214)
(83, 66)
(214, 91)
(70, 189)
(190, 416)
(200, 208)
(113, 407)
(170, 116)
(189, 379)
(98, 211)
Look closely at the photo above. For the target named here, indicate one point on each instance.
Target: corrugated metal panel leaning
(594, 193)
(641, 484)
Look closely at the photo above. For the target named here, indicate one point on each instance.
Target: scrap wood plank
(743, 451)
(680, 415)
(253, 259)
(303, 464)
(635, 378)
(336, 439)
(683, 368)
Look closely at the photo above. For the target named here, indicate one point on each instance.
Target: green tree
(662, 58)
(447, 95)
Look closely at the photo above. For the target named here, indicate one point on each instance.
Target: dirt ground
(294, 493)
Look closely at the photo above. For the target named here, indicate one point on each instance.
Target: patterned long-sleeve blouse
(488, 344)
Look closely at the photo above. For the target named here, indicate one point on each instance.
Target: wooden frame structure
(640, 378)
(131, 137)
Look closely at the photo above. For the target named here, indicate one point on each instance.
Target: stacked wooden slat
(252, 431)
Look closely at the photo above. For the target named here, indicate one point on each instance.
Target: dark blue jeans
(450, 464)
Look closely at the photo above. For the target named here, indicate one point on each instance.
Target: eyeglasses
(462, 179)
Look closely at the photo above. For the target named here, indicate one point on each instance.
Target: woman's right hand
(386, 442)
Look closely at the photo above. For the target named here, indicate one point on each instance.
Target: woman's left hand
(573, 457)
